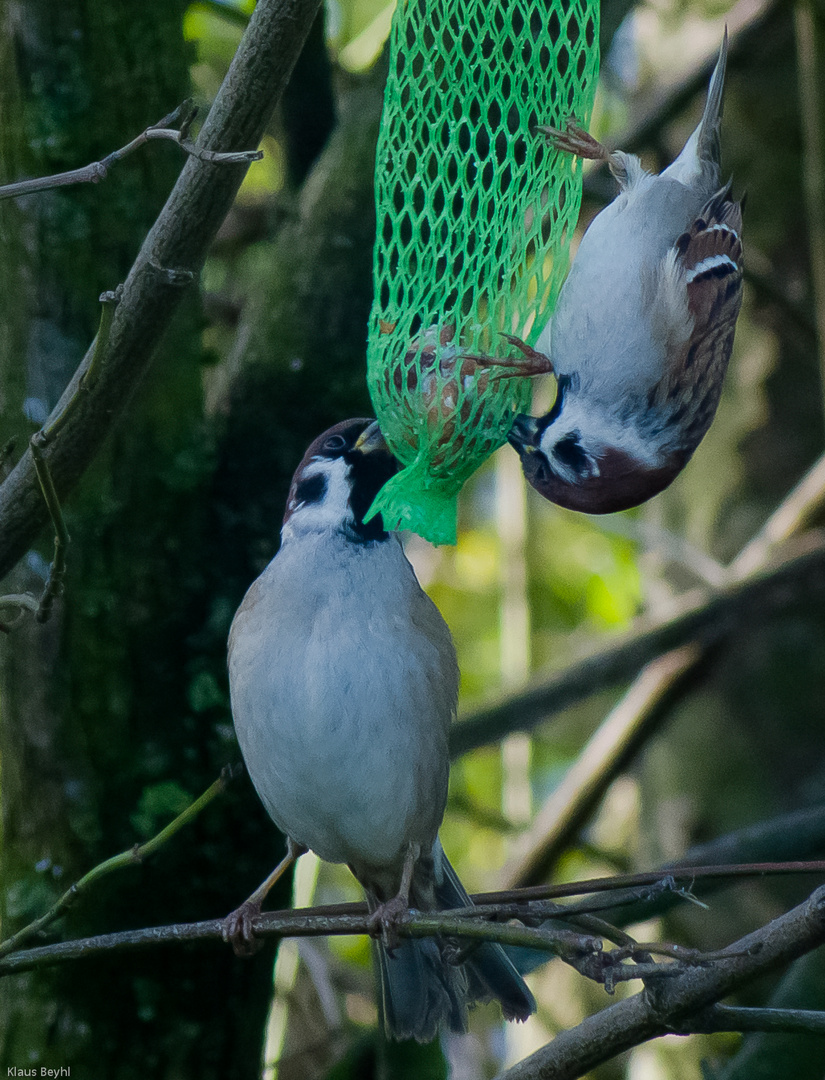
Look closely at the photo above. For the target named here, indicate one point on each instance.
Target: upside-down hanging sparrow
(643, 329)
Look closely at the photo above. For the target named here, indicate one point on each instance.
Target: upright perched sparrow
(643, 329)
(344, 680)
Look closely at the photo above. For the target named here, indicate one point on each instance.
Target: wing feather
(708, 259)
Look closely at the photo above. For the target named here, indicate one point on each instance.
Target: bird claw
(384, 922)
(575, 140)
(238, 930)
(534, 362)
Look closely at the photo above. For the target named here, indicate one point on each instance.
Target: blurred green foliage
(279, 355)
(158, 804)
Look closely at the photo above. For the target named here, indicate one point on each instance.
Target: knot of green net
(474, 218)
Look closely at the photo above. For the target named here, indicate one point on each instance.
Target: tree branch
(132, 857)
(666, 1003)
(634, 719)
(170, 258)
(612, 746)
(560, 942)
(527, 905)
(741, 1018)
(99, 170)
(701, 616)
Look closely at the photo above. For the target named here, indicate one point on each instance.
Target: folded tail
(421, 990)
(698, 163)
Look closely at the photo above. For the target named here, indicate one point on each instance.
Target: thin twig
(57, 570)
(344, 919)
(658, 881)
(667, 1002)
(24, 602)
(99, 170)
(109, 301)
(131, 857)
(170, 257)
(666, 879)
(515, 904)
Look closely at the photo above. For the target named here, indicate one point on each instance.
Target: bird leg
(532, 363)
(237, 929)
(384, 920)
(575, 140)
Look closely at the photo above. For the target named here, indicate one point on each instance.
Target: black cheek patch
(311, 490)
(570, 453)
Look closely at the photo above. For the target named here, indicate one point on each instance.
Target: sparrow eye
(335, 442)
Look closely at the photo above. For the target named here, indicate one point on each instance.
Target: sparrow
(343, 682)
(643, 329)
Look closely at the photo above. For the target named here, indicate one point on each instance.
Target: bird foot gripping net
(474, 219)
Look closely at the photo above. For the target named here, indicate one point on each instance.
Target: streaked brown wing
(710, 253)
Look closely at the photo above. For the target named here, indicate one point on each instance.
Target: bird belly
(349, 794)
(596, 330)
(342, 721)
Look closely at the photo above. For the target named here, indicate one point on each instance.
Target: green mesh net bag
(475, 214)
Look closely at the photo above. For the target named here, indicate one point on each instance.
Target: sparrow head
(335, 484)
(576, 471)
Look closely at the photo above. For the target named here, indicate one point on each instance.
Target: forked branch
(183, 116)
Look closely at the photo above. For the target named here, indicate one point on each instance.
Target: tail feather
(491, 973)
(421, 990)
(709, 127)
(699, 159)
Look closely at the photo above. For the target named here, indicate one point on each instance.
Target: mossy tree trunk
(110, 719)
(115, 713)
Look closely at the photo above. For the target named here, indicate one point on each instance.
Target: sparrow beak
(522, 435)
(371, 439)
